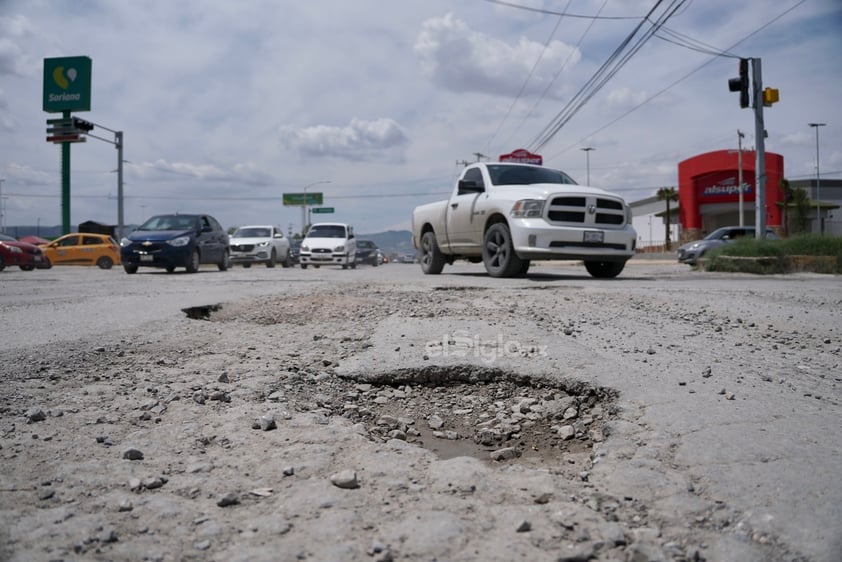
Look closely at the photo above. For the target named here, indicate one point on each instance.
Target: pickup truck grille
(586, 210)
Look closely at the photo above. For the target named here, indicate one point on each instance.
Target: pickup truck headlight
(180, 241)
(528, 208)
(629, 214)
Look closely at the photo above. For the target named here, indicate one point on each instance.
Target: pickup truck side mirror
(470, 186)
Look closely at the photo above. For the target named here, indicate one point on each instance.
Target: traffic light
(770, 96)
(741, 83)
(82, 126)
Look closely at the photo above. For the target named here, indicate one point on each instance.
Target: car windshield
(252, 232)
(326, 231)
(7, 238)
(506, 174)
(365, 244)
(170, 222)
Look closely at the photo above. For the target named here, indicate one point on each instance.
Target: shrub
(807, 252)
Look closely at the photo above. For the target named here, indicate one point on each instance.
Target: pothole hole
(490, 414)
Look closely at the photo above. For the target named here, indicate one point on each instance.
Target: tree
(796, 208)
(786, 190)
(668, 194)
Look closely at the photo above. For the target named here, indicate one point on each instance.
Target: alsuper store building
(709, 192)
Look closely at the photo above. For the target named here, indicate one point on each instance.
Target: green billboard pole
(67, 88)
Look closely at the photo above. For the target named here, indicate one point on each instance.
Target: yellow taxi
(82, 249)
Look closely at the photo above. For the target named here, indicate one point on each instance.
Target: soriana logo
(522, 155)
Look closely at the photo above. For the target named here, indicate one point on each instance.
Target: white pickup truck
(507, 214)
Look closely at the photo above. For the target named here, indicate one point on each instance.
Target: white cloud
(359, 140)
(463, 60)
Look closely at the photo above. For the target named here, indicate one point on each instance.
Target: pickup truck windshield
(503, 174)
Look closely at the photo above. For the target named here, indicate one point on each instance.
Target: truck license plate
(594, 237)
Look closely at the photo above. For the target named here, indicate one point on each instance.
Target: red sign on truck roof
(522, 155)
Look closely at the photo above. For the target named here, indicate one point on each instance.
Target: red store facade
(708, 191)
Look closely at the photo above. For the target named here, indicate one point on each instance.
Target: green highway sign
(297, 199)
(67, 84)
(322, 210)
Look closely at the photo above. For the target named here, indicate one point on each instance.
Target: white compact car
(329, 243)
(260, 244)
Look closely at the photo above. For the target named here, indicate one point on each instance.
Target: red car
(24, 255)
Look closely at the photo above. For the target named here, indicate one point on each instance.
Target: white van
(329, 243)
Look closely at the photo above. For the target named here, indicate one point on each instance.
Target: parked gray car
(690, 252)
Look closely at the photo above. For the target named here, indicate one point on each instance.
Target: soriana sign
(522, 155)
(67, 84)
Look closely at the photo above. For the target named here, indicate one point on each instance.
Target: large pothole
(487, 413)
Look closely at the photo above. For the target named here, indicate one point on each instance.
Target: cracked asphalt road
(721, 443)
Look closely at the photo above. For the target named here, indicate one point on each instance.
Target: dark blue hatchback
(170, 241)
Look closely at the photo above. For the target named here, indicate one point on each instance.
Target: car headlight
(15, 250)
(528, 208)
(262, 244)
(125, 242)
(304, 248)
(179, 242)
(339, 248)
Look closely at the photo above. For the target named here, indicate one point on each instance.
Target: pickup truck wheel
(498, 252)
(605, 269)
(432, 260)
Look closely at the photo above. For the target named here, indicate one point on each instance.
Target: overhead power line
(564, 13)
(621, 55)
(679, 80)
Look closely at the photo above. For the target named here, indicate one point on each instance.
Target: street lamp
(587, 150)
(818, 186)
(304, 208)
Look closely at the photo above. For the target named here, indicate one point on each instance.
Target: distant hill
(392, 242)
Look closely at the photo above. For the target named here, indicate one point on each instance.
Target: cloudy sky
(225, 106)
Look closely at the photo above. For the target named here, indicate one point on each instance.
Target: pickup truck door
(462, 219)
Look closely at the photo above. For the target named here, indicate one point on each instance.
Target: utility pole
(2, 208)
(760, 149)
(818, 185)
(740, 136)
(587, 150)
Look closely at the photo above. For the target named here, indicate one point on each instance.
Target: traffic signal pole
(65, 182)
(760, 149)
(758, 99)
